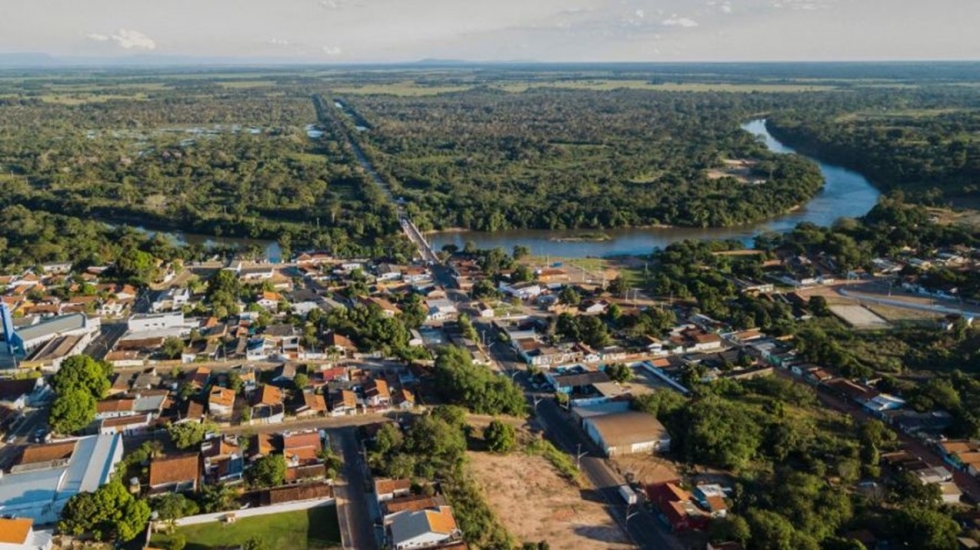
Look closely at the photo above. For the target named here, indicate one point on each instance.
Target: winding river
(845, 194)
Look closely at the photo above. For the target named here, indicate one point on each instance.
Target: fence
(255, 512)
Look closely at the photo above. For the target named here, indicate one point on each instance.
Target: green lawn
(314, 529)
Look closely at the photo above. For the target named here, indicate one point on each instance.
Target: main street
(353, 507)
(643, 527)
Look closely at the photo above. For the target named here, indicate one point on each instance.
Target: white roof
(89, 467)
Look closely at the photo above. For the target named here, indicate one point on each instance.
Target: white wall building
(156, 321)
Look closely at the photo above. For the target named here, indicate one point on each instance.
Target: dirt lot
(646, 469)
(534, 503)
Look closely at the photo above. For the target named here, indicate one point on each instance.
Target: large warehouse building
(628, 433)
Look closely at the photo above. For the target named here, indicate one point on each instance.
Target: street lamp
(630, 515)
(578, 456)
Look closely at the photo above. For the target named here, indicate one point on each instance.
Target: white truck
(628, 494)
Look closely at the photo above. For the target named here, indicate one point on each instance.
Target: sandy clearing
(534, 503)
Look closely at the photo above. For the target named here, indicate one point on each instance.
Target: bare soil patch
(646, 468)
(535, 503)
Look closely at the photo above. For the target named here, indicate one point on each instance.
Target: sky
(355, 31)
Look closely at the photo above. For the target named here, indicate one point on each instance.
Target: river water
(845, 194)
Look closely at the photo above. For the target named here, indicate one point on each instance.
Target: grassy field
(314, 529)
(403, 88)
(410, 88)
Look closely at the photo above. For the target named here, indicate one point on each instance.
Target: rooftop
(15, 531)
(174, 469)
(38, 454)
(56, 325)
(627, 428)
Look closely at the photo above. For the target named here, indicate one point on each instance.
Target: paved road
(907, 305)
(353, 507)
(337, 422)
(411, 231)
(109, 333)
(32, 420)
(643, 527)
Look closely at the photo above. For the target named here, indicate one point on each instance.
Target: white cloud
(277, 42)
(130, 40)
(97, 37)
(329, 4)
(726, 8)
(675, 21)
(640, 14)
(332, 51)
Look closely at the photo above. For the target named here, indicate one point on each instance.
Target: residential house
(199, 378)
(269, 300)
(221, 402)
(284, 339)
(284, 374)
(341, 344)
(376, 393)
(404, 399)
(326, 375)
(343, 402)
(387, 489)
(411, 503)
(19, 534)
(440, 309)
(114, 408)
(302, 448)
(711, 497)
(422, 529)
(126, 425)
(593, 307)
(310, 404)
(267, 406)
(175, 473)
(678, 507)
(387, 308)
(523, 291)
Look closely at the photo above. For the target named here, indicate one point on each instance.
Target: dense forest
(556, 147)
(235, 163)
(490, 160)
(926, 142)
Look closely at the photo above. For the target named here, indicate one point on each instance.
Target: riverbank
(845, 194)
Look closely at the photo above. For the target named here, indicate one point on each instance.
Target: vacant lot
(313, 529)
(647, 469)
(534, 503)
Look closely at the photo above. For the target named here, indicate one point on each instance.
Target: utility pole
(578, 456)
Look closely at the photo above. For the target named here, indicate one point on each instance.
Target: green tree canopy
(82, 372)
(189, 434)
(71, 411)
(268, 471)
(500, 437)
(110, 513)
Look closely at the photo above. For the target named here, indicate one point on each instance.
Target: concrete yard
(858, 316)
